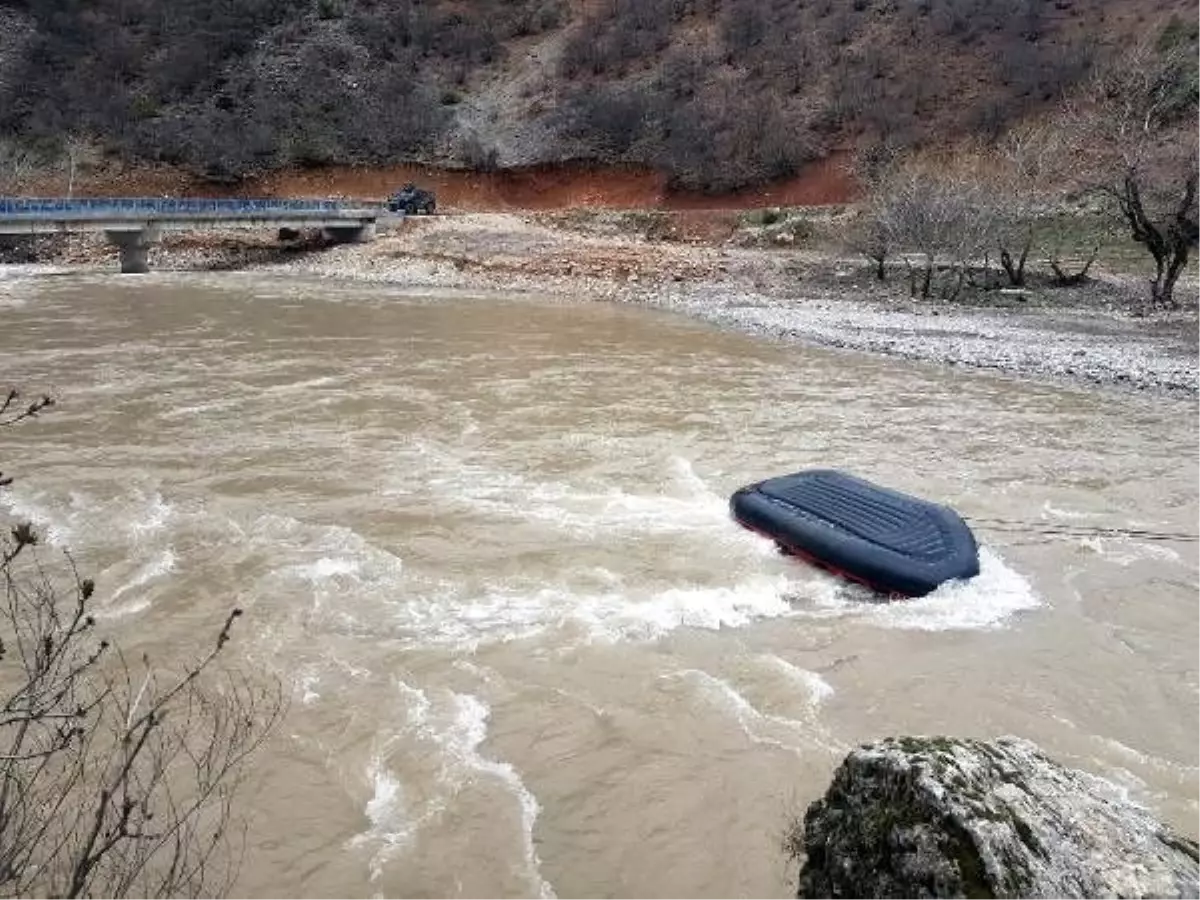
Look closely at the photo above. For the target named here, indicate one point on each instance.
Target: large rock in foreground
(939, 817)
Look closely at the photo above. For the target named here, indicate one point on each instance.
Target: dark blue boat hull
(889, 541)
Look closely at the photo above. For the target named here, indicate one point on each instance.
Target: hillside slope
(717, 95)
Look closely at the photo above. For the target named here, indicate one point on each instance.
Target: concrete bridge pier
(362, 233)
(135, 248)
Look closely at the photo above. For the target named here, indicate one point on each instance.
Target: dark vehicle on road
(412, 201)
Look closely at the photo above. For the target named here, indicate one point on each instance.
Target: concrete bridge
(134, 224)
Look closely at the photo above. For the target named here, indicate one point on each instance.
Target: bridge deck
(137, 207)
(134, 224)
(34, 215)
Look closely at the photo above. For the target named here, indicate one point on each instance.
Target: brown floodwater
(485, 543)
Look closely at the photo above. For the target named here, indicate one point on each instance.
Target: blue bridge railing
(99, 207)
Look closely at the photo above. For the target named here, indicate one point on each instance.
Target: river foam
(451, 728)
(988, 600)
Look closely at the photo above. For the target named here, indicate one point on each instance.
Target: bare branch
(115, 780)
(1133, 132)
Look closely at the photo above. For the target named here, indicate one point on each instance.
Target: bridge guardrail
(36, 207)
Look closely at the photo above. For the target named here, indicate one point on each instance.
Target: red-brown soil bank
(542, 188)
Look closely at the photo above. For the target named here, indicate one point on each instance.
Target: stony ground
(766, 281)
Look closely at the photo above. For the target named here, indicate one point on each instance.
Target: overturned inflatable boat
(889, 541)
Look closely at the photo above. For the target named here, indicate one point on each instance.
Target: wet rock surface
(944, 817)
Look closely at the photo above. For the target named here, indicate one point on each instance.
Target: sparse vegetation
(712, 112)
(718, 94)
(775, 226)
(1124, 143)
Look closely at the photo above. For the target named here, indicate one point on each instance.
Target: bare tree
(1135, 128)
(1169, 235)
(869, 232)
(116, 779)
(1017, 173)
(78, 151)
(939, 212)
(16, 164)
(870, 236)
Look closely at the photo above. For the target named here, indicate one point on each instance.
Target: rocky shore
(1088, 334)
(945, 817)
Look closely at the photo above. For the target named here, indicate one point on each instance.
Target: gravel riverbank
(1078, 345)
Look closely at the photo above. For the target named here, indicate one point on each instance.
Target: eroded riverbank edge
(1082, 336)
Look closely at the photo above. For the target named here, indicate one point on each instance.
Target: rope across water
(1065, 530)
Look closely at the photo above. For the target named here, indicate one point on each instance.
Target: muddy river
(485, 543)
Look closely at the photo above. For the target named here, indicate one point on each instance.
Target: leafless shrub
(17, 163)
(477, 153)
(1064, 277)
(116, 778)
(744, 25)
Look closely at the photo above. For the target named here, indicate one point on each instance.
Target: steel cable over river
(485, 541)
